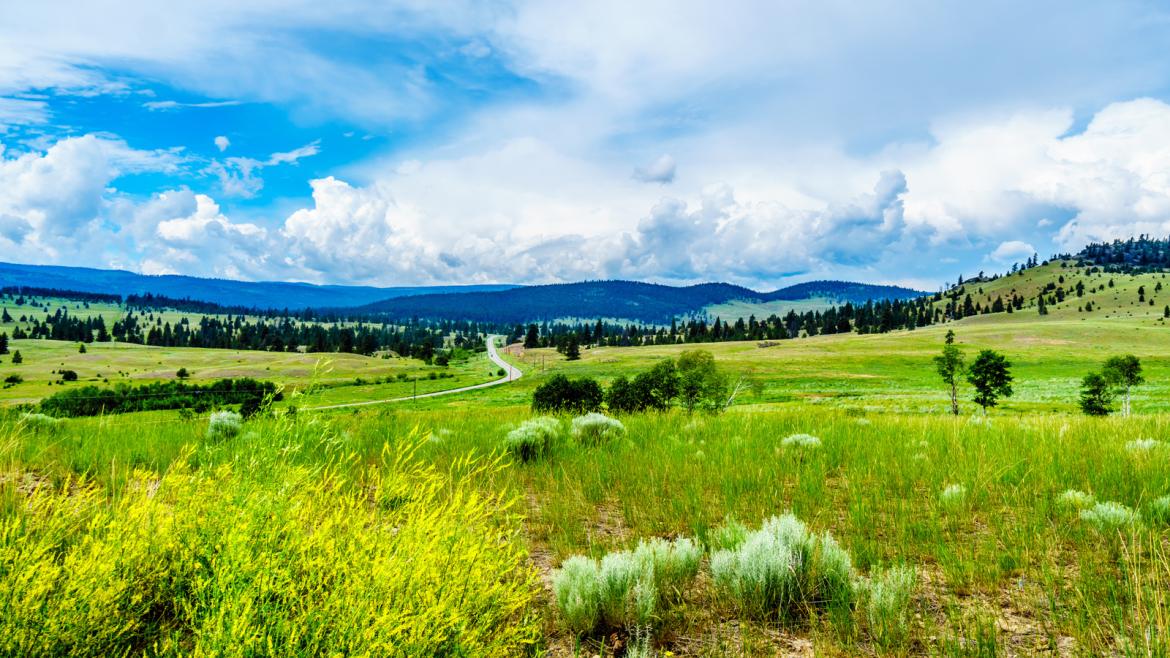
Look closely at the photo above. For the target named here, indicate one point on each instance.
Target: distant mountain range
(249, 294)
(624, 300)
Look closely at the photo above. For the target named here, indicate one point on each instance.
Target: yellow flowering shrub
(263, 559)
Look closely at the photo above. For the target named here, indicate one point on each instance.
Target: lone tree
(182, 373)
(1123, 372)
(1096, 395)
(3, 343)
(81, 348)
(17, 358)
(991, 376)
(950, 368)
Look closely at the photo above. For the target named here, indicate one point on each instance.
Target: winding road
(512, 373)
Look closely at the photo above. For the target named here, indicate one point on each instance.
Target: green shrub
(728, 536)
(784, 571)
(40, 422)
(534, 438)
(595, 429)
(886, 601)
(224, 425)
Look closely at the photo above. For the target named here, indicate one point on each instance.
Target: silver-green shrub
(1076, 499)
(595, 429)
(626, 588)
(224, 425)
(533, 439)
(576, 588)
(40, 422)
(783, 570)
(886, 601)
(1110, 516)
(801, 441)
(1160, 510)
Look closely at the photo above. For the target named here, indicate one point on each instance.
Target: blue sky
(401, 143)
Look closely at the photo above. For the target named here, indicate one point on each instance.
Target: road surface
(512, 373)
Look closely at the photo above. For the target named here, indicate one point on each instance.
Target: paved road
(512, 373)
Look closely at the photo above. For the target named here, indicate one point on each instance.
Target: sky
(416, 143)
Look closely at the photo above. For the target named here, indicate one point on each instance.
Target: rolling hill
(249, 294)
(624, 300)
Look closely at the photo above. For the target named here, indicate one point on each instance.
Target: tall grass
(235, 551)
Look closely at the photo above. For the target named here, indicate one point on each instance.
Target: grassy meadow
(407, 529)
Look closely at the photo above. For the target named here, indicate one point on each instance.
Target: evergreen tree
(991, 376)
(1096, 395)
(3, 343)
(572, 350)
(532, 339)
(17, 358)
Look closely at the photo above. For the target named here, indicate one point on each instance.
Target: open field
(1003, 568)
(332, 376)
(1003, 560)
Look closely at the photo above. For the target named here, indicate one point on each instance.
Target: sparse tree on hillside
(1123, 372)
(1096, 395)
(17, 358)
(1041, 305)
(950, 368)
(572, 350)
(991, 376)
(81, 348)
(3, 343)
(532, 338)
(182, 373)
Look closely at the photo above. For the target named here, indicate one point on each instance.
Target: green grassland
(737, 309)
(405, 529)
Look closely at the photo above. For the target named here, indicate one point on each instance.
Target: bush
(954, 495)
(224, 425)
(1160, 510)
(69, 375)
(783, 570)
(1110, 516)
(886, 602)
(1075, 499)
(626, 588)
(595, 429)
(40, 422)
(577, 590)
(801, 441)
(1139, 447)
(534, 438)
(561, 394)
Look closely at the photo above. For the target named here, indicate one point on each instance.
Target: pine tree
(572, 350)
(991, 376)
(950, 368)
